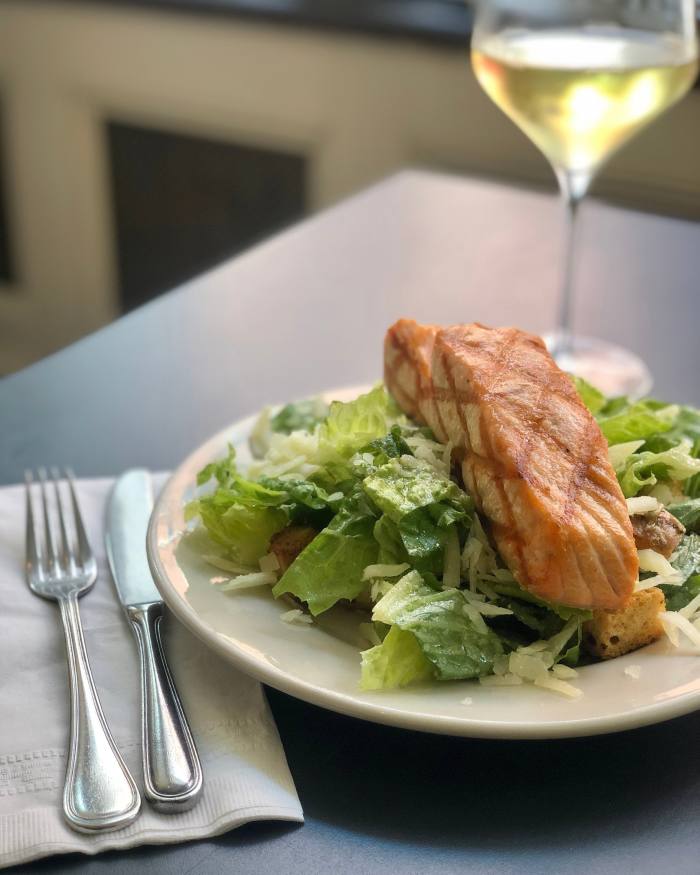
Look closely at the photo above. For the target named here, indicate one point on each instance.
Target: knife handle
(171, 767)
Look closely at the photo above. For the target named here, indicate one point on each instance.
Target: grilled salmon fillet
(532, 456)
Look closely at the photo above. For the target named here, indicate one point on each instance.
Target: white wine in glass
(580, 77)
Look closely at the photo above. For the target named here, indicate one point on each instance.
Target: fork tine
(66, 555)
(33, 565)
(51, 554)
(84, 550)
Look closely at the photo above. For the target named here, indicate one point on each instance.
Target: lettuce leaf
(330, 568)
(240, 515)
(591, 397)
(391, 548)
(637, 421)
(688, 513)
(351, 426)
(685, 559)
(643, 470)
(422, 505)
(299, 416)
(245, 531)
(686, 426)
(306, 502)
(396, 662)
(447, 637)
(399, 489)
(514, 590)
(391, 446)
(677, 597)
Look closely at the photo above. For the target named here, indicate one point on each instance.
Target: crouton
(661, 532)
(613, 633)
(288, 544)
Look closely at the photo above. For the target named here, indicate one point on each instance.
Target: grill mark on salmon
(531, 454)
(515, 545)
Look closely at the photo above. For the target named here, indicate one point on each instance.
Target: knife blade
(171, 766)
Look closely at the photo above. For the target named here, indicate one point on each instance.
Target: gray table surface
(304, 312)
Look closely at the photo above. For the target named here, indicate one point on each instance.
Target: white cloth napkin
(246, 776)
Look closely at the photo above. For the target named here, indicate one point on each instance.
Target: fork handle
(99, 793)
(172, 770)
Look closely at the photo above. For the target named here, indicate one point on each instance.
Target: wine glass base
(611, 369)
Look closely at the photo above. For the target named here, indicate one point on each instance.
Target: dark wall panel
(6, 267)
(181, 203)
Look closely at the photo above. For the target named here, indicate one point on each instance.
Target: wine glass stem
(572, 188)
(566, 294)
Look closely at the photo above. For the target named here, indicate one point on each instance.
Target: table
(306, 311)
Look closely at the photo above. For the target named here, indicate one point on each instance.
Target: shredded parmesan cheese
(565, 672)
(373, 571)
(248, 581)
(225, 564)
(297, 617)
(476, 618)
(557, 686)
(664, 572)
(643, 504)
(379, 589)
(691, 608)
(676, 623)
(504, 680)
(451, 562)
(269, 563)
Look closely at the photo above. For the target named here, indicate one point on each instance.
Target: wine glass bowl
(580, 78)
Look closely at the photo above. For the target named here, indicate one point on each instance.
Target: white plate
(321, 663)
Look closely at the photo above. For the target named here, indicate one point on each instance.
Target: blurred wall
(356, 107)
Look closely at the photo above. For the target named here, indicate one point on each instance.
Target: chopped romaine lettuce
(406, 484)
(351, 426)
(300, 416)
(637, 421)
(446, 635)
(688, 513)
(686, 426)
(244, 530)
(591, 397)
(686, 560)
(307, 503)
(644, 469)
(391, 548)
(423, 540)
(686, 557)
(677, 597)
(510, 589)
(391, 446)
(536, 617)
(396, 662)
(240, 515)
(424, 534)
(331, 567)
(422, 504)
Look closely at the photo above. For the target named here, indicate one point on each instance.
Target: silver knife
(171, 766)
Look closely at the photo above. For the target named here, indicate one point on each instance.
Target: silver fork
(99, 793)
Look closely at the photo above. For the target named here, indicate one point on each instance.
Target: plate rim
(267, 673)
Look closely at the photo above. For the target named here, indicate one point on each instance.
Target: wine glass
(580, 78)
